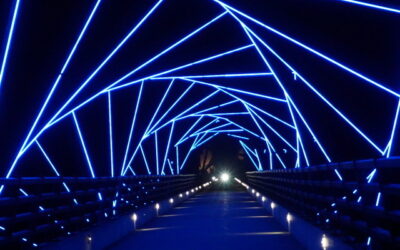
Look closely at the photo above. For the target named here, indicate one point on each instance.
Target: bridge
(206, 124)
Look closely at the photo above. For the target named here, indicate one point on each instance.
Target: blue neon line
(240, 137)
(273, 130)
(201, 137)
(158, 107)
(156, 139)
(265, 137)
(260, 168)
(198, 103)
(23, 192)
(228, 113)
(47, 158)
(177, 159)
(270, 158)
(214, 107)
(132, 125)
(190, 129)
(187, 155)
(371, 176)
(206, 140)
(110, 134)
(145, 160)
(309, 130)
(338, 175)
(205, 126)
(168, 144)
(249, 149)
(196, 133)
(170, 166)
(378, 198)
(354, 72)
(217, 76)
(9, 40)
(253, 106)
(172, 106)
(183, 66)
(245, 150)
(374, 6)
(389, 147)
(51, 164)
(236, 90)
(83, 144)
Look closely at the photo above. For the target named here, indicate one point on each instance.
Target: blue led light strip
(110, 134)
(83, 145)
(9, 40)
(374, 6)
(132, 125)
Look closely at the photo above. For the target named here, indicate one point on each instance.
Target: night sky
(361, 38)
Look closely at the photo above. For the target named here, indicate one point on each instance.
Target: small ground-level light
(257, 194)
(180, 195)
(272, 208)
(324, 242)
(187, 192)
(171, 200)
(289, 219)
(134, 218)
(253, 191)
(263, 198)
(157, 206)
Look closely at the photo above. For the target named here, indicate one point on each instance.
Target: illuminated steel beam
(83, 145)
(218, 76)
(168, 144)
(145, 160)
(9, 41)
(132, 125)
(110, 129)
(374, 6)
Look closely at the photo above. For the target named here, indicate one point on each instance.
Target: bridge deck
(213, 220)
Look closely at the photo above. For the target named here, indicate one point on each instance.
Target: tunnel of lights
(179, 107)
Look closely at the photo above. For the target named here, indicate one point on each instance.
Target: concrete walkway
(212, 220)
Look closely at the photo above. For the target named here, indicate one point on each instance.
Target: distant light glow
(225, 177)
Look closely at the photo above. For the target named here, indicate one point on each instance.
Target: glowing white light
(89, 238)
(257, 194)
(253, 191)
(180, 195)
(187, 192)
(134, 217)
(263, 198)
(289, 218)
(225, 177)
(273, 205)
(171, 200)
(157, 206)
(324, 242)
